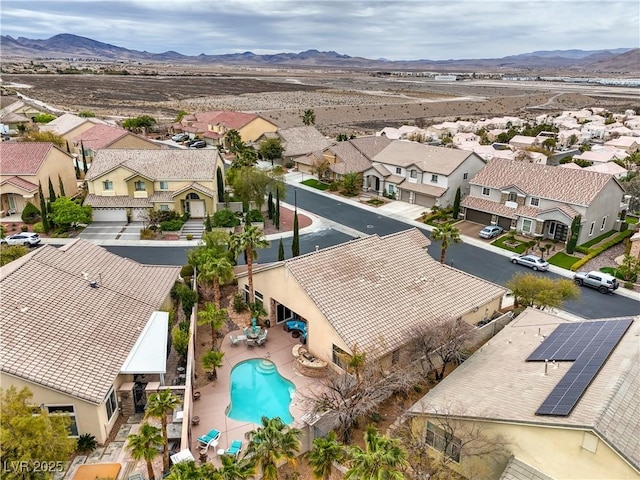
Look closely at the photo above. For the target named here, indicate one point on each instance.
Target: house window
(486, 191)
(111, 403)
(513, 197)
(534, 201)
(164, 185)
(107, 185)
(140, 186)
(604, 223)
(526, 225)
(398, 170)
(259, 298)
(164, 207)
(391, 188)
(395, 357)
(593, 225)
(340, 357)
(65, 410)
(465, 176)
(414, 174)
(434, 178)
(444, 441)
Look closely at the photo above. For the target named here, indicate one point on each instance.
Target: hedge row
(597, 251)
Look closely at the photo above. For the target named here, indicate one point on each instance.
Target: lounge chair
(234, 340)
(234, 449)
(262, 338)
(209, 440)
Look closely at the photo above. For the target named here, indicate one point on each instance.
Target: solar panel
(588, 344)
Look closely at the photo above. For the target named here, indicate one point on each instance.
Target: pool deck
(215, 397)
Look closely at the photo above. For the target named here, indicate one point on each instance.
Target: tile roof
(518, 470)
(21, 183)
(197, 187)
(229, 119)
(375, 291)
(67, 122)
(356, 155)
(116, 201)
(610, 168)
(171, 164)
(23, 158)
(59, 332)
(161, 196)
(13, 117)
(429, 190)
(100, 136)
(302, 140)
(439, 160)
(577, 187)
(496, 383)
(489, 206)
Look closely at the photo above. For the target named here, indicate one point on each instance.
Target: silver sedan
(531, 261)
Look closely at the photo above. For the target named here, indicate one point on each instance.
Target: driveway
(471, 229)
(131, 231)
(103, 230)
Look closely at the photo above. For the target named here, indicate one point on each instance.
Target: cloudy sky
(396, 30)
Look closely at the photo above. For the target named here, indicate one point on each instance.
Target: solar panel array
(588, 345)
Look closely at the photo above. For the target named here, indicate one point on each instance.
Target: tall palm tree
(233, 140)
(144, 446)
(235, 469)
(325, 451)
(249, 241)
(190, 471)
(212, 360)
(309, 117)
(219, 271)
(159, 405)
(382, 458)
(272, 442)
(447, 235)
(213, 316)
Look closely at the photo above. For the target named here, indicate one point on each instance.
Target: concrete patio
(215, 397)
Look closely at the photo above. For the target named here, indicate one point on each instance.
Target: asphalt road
(476, 261)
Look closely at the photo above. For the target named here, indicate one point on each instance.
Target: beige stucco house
(542, 201)
(507, 391)
(79, 324)
(374, 293)
(23, 165)
(125, 183)
(69, 126)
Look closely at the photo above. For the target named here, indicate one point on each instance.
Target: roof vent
(93, 284)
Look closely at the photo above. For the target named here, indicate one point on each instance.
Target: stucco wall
(471, 166)
(254, 129)
(607, 203)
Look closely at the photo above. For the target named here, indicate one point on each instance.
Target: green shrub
(288, 164)
(628, 285)
(11, 253)
(334, 186)
(189, 236)
(605, 246)
(278, 170)
(186, 271)
(171, 225)
(3, 231)
(87, 443)
(239, 304)
(38, 227)
(185, 216)
(30, 214)
(24, 228)
(583, 250)
(598, 239)
(225, 218)
(254, 216)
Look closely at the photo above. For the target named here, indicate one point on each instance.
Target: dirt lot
(353, 102)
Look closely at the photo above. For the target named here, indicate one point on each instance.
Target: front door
(196, 208)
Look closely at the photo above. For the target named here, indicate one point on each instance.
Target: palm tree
(190, 471)
(447, 235)
(212, 360)
(325, 451)
(213, 316)
(272, 442)
(351, 183)
(234, 469)
(309, 117)
(249, 241)
(382, 458)
(159, 406)
(233, 140)
(217, 269)
(356, 361)
(144, 446)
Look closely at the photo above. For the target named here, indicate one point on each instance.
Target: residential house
(422, 174)
(542, 201)
(628, 144)
(524, 142)
(15, 112)
(487, 152)
(610, 168)
(375, 293)
(300, 142)
(213, 126)
(105, 136)
(125, 183)
(69, 126)
(355, 155)
(24, 165)
(601, 154)
(563, 410)
(85, 330)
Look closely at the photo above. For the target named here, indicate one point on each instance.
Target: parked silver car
(604, 282)
(531, 261)
(28, 239)
(491, 231)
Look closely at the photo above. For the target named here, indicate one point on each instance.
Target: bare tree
(348, 398)
(436, 439)
(442, 343)
(320, 167)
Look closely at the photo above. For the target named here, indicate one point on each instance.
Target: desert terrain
(344, 102)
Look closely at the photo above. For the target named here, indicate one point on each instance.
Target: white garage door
(139, 214)
(109, 215)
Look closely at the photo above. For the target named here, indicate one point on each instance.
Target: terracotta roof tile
(21, 183)
(59, 332)
(485, 205)
(100, 136)
(302, 140)
(439, 160)
(429, 190)
(116, 201)
(23, 158)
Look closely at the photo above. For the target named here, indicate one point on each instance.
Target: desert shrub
(288, 164)
(254, 216)
(594, 252)
(24, 228)
(171, 225)
(277, 170)
(189, 236)
(87, 443)
(225, 218)
(239, 304)
(30, 214)
(628, 285)
(38, 227)
(334, 186)
(147, 234)
(186, 271)
(11, 253)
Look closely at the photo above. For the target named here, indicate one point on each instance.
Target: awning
(182, 456)
(149, 354)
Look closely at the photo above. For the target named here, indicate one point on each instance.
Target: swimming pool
(258, 390)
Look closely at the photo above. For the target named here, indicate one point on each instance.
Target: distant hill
(67, 45)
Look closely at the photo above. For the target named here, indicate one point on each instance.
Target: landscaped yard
(518, 247)
(562, 260)
(593, 241)
(312, 182)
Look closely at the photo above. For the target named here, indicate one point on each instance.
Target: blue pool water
(258, 390)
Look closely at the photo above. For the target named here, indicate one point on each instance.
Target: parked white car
(28, 239)
(531, 261)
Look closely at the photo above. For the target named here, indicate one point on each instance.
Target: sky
(395, 30)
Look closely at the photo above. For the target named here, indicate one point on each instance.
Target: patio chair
(234, 449)
(209, 440)
(262, 338)
(250, 342)
(234, 341)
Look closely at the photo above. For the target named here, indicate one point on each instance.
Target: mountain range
(66, 45)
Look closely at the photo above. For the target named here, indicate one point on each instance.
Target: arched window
(193, 196)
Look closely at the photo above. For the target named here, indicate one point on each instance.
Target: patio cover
(149, 353)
